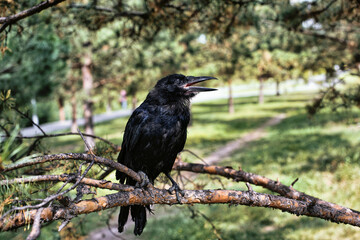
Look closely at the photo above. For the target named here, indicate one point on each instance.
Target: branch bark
(161, 196)
(35, 231)
(240, 175)
(74, 156)
(66, 178)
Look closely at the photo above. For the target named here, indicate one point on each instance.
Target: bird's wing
(151, 141)
(135, 140)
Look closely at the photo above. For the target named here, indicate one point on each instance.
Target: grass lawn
(321, 152)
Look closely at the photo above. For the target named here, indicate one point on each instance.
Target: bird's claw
(177, 190)
(144, 180)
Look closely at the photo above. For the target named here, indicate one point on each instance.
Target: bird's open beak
(193, 80)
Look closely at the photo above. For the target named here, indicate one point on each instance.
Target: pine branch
(7, 21)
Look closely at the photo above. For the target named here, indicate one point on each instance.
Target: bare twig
(27, 117)
(63, 224)
(114, 146)
(68, 178)
(215, 231)
(249, 187)
(293, 183)
(86, 143)
(36, 228)
(6, 21)
(195, 155)
(316, 12)
(128, 14)
(109, 227)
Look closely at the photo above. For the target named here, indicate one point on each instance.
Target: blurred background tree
(76, 56)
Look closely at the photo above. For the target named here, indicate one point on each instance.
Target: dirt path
(229, 148)
(215, 157)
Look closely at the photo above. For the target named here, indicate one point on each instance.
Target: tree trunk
(88, 103)
(108, 103)
(74, 125)
(277, 88)
(61, 108)
(261, 90)
(134, 102)
(231, 100)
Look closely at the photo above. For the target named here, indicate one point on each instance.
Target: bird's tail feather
(123, 216)
(138, 214)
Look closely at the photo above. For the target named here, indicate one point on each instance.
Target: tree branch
(27, 117)
(109, 10)
(35, 231)
(316, 12)
(292, 201)
(6, 21)
(74, 156)
(50, 198)
(162, 196)
(114, 146)
(67, 178)
(240, 175)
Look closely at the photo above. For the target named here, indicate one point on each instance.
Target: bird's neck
(175, 102)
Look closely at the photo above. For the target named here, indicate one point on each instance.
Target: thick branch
(6, 21)
(157, 196)
(240, 175)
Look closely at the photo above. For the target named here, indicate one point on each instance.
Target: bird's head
(179, 86)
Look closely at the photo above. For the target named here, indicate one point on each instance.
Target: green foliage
(7, 102)
(36, 64)
(341, 95)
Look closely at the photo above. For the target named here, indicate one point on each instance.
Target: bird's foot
(177, 190)
(144, 180)
(145, 184)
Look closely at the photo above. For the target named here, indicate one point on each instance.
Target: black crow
(155, 134)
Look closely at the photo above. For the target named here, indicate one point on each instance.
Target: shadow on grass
(270, 232)
(298, 152)
(240, 222)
